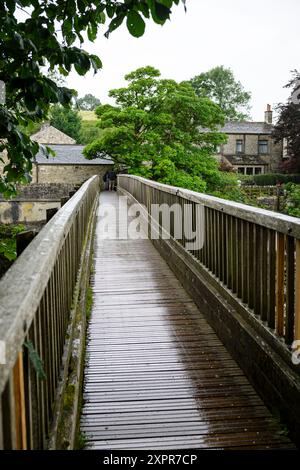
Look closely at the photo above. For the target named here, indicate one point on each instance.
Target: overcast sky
(258, 39)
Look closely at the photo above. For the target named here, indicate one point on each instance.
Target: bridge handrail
(36, 292)
(274, 220)
(254, 253)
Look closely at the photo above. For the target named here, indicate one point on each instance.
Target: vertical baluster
(229, 253)
(41, 383)
(50, 340)
(280, 284)
(30, 401)
(251, 264)
(8, 416)
(245, 260)
(234, 255)
(271, 279)
(211, 239)
(46, 331)
(217, 242)
(258, 271)
(239, 251)
(204, 250)
(297, 292)
(290, 289)
(264, 274)
(224, 244)
(214, 241)
(19, 401)
(1, 428)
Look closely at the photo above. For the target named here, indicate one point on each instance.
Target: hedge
(271, 179)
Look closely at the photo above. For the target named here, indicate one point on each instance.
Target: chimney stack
(269, 115)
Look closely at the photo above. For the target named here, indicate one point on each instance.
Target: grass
(88, 115)
(81, 441)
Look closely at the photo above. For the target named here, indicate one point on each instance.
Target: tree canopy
(39, 34)
(67, 120)
(88, 102)
(288, 125)
(155, 130)
(220, 85)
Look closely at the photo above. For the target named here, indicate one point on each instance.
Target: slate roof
(50, 135)
(245, 160)
(247, 127)
(71, 155)
(243, 127)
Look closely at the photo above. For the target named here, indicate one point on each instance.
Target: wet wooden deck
(157, 376)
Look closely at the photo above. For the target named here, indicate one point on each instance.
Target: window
(258, 171)
(263, 147)
(239, 146)
(249, 170)
(241, 170)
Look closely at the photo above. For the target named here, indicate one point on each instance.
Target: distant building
(250, 148)
(50, 135)
(69, 165)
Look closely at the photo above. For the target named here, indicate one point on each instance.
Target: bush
(292, 200)
(271, 179)
(66, 120)
(89, 132)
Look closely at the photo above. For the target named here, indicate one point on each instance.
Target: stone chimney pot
(269, 115)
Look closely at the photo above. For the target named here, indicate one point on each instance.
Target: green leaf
(166, 3)
(135, 24)
(114, 24)
(35, 360)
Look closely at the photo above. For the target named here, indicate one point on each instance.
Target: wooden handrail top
(269, 219)
(22, 287)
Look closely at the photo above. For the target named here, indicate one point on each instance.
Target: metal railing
(35, 303)
(252, 252)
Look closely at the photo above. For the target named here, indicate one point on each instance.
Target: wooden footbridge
(185, 346)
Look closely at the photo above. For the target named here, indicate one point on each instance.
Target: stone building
(50, 135)
(69, 164)
(250, 148)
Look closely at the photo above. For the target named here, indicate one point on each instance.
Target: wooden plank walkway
(157, 376)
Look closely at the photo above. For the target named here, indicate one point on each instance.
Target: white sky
(258, 39)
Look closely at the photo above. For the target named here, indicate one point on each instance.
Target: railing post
(19, 398)
(297, 292)
(280, 284)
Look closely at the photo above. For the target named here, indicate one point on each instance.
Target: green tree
(88, 103)
(89, 133)
(154, 130)
(292, 199)
(67, 120)
(39, 34)
(222, 88)
(288, 126)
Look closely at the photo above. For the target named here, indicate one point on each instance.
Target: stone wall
(27, 212)
(31, 203)
(43, 191)
(273, 158)
(72, 174)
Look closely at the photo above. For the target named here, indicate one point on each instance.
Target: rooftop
(71, 155)
(50, 135)
(247, 127)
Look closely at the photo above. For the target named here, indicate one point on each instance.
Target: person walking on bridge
(112, 176)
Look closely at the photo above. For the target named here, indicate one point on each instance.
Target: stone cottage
(69, 164)
(250, 148)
